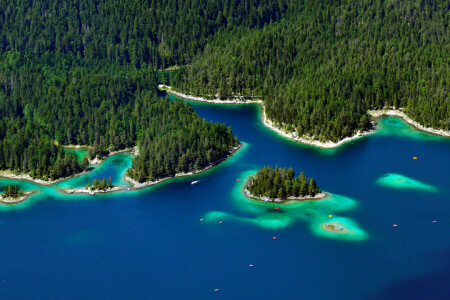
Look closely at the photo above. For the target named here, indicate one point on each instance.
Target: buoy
(330, 216)
(238, 180)
(216, 290)
(414, 157)
(220, 222)
(274, 237)
(277, 207)
(395, 225)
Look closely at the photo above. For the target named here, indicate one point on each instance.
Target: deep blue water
(150, 243)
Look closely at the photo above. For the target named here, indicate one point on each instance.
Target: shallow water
(151, 243)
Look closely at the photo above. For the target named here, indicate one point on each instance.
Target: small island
(97, 186)
(12, 195)
(278, 185)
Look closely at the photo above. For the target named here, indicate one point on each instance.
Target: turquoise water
(151, 243)
(79, 153)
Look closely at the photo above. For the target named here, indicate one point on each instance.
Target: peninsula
(279, 185)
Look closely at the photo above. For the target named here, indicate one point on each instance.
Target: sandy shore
(140, 185)
(11, 200)
(335, 227)
(289, 199)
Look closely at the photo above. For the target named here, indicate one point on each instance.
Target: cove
(151, 243)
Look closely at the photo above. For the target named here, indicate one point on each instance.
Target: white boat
(194, 182)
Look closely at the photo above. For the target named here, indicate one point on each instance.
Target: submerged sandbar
(399, 181)
(336, 227)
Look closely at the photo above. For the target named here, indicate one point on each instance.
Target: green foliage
(98, 184)
(83, 73)
(156, 33)
(320, 69)
(281, 183)
(12, 191)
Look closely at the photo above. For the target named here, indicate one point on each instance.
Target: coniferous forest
(85, 72)
(281, 183)
(325, 63)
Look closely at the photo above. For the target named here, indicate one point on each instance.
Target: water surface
(152, 244)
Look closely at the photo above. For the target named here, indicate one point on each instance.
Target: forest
(85, 73)
(46, 106)
(326, 63)
(281, 183)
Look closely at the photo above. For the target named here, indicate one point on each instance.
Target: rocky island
(279, 185)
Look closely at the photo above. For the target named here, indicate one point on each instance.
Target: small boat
(221, 222)
(277, 207)
(395, 225)
(274, 237)
(194, 182)
(414, 157)
(250, 265)
(238, 180)
(330, 216)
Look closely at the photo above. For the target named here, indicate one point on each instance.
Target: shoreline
(10, 175)
(399, 113)
(93, 192)
(135, 185)
(319, 196)
(375, 114)
(309, 140)
(11, 200)
(235, 100)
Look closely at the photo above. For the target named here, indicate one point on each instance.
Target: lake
(151, 243)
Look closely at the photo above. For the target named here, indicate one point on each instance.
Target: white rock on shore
(307, 139)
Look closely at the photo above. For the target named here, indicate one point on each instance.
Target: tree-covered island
(280, 184)
(12, 194)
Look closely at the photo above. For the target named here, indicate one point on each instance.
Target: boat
(194, 182)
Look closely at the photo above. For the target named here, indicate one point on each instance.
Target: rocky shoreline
(307, 139)
(93, 192)
(277, 200)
